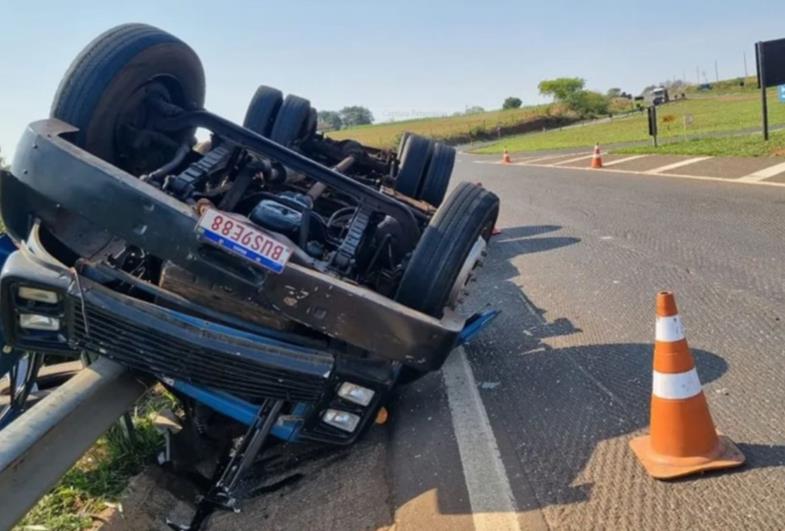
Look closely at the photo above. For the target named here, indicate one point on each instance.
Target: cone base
(727, 455)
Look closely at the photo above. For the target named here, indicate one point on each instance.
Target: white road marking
(490, 495)
(765, 173)
(679, 164)
(626, 159)
(649, 174)
(576, 159)
(550, 157)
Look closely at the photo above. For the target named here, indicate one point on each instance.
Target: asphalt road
(588, 251)
(529, 427)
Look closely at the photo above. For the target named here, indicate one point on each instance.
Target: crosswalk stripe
(679, 164)
(765, 173)
(626, 159)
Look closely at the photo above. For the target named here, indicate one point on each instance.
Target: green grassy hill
(457, 129)
(708, 114)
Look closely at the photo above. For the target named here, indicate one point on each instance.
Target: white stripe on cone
(669, 329)
(676, 386)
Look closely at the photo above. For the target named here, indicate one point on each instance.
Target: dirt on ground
(299, 487)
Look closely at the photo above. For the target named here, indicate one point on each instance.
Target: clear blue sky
(399, 58)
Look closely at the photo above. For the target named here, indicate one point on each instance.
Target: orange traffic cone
(682, 437)
(596, 159)
(506, 157)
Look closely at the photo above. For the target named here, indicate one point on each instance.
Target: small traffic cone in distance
(682, 438)
(506, 157)
(596, 159)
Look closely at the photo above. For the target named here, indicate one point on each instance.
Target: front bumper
(52, 176)
(176, 346)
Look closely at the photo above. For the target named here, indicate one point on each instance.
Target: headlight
(343, 420)
(356, 393)
(34, 321)
(37, 295)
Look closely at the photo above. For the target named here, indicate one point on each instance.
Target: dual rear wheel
(424, 168)
(286, 120)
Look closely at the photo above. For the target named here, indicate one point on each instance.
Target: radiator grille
(151, 351)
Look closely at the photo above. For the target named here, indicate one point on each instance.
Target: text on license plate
(243, 239)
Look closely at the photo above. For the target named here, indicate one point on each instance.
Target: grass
(98, 479)
(710, 114)
(751, 145)
(449, 128)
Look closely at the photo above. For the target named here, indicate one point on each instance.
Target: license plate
(243, 239)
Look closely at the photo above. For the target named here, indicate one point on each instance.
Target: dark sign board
(771, 62)
(652, 112)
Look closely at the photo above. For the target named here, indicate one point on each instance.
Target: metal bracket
(223, 492)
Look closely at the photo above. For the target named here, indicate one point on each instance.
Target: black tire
(104, 89)
(437, 176)
(292, 120)
(312, 124)
(263, 109)
(469, 212)
(414, 161)
(402, 142)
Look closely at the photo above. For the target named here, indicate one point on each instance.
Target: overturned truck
(282, 278)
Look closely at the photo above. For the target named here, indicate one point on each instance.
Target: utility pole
(698, 74)
(745, 64)
(716, 71)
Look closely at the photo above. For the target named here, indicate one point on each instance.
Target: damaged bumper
(230, 369)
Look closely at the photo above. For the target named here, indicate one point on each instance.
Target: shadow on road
(516, 241)
(552, 409)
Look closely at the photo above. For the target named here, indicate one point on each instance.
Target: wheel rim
(465, 275)
(16, 386)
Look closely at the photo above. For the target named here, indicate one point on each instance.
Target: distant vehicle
(658, 96)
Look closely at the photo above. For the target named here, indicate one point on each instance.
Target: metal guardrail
(41, 445)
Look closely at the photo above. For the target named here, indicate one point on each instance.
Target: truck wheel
(292, 120)
(263, 109)
(450, 247)
(103, 93)
(402, 142)
(311, 126)
(414, 160)
(437, 176)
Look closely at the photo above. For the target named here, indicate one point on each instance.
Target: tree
(571, 92)
(512, 103)
(474, 109)
(562, 88)
(614, 92)
(329, 121)
(589, 103)
(3, 165)
(355, 115)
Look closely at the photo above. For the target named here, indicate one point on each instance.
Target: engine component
(346, 254)
(186, 183)
(276, 216)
